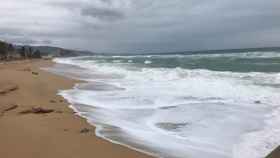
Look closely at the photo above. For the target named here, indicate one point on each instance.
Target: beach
(36, 122)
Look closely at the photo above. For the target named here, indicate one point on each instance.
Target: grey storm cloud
(102, 13)
(142, 26)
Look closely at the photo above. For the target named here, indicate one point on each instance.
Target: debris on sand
(10, 107)
(26, 69)
(38, 110)
(85, 130)
(52, 101)
(7, 88)
(6, 108)
(35, 73)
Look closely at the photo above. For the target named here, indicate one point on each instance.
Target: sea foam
(176, 112)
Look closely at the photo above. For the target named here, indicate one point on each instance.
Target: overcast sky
(131, 26)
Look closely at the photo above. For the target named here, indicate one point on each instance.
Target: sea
(223, 104)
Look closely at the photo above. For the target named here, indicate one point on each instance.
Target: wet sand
(275, 153)
(37, 123)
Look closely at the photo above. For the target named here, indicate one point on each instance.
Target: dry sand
(51, 130)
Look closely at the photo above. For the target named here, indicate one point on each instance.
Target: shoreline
(60, 133)
(57, 133)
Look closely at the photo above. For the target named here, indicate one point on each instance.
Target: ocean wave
(177, 112)
(148, 62)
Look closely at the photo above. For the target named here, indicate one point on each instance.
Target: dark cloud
(143, 26)
(103, 13)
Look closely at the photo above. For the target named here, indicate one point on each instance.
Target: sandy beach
(37, 123)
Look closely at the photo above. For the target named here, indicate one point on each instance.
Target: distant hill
(59, 52)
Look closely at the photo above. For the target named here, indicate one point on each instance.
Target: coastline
(275, 153)
(57, 133)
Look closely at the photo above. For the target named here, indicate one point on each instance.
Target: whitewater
(223, 105)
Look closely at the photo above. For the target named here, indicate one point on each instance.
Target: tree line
(9, 52)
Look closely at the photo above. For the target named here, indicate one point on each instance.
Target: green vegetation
(10, 52)
(3, 50)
